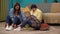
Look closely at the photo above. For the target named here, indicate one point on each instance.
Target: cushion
(26, 9)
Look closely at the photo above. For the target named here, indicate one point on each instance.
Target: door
(2, 10)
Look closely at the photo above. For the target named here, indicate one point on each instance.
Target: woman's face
(17, 7)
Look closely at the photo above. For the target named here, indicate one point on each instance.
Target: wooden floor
(53, 30)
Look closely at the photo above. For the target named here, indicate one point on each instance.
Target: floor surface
(53, 30)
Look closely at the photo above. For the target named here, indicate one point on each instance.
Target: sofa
(51, 18)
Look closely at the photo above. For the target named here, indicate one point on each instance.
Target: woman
(15, 18)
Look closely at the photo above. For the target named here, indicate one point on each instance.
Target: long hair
(18, 11)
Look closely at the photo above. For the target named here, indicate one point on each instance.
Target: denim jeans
(26, 22)
(15, 20)
(30, 24)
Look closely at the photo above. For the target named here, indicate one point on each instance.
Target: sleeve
(23, 18)
(39, 15)
(11, 12)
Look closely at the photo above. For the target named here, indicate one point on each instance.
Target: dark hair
(19, 11)
(33, 6)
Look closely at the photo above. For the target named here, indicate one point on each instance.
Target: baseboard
(2, 20)
(54, 24)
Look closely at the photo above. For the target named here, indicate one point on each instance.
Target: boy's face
(34, 9)
(27, 14)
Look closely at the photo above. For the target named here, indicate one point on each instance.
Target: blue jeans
(15, 20)
(26, 22)
(30, 24)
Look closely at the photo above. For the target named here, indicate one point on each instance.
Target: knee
(8, 17)
(15, 18)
